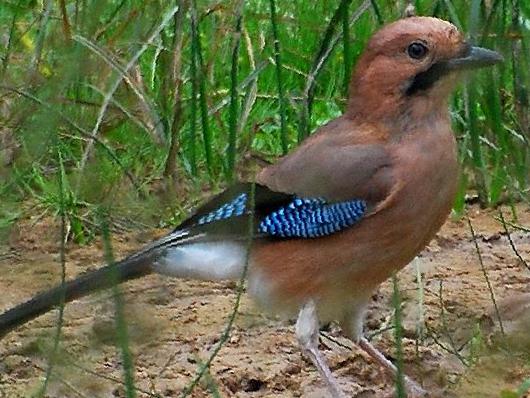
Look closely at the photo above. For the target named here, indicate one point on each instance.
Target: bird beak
(474, 58)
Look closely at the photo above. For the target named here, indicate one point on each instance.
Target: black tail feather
(132, 267)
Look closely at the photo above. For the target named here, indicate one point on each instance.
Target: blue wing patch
(234, 208)
(301, 218)
(312, 218)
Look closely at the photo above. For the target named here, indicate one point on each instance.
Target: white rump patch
(208, 261)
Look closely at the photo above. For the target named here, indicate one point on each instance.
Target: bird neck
(397, 114)
(382, 99)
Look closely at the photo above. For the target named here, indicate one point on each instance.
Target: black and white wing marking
(276, 215)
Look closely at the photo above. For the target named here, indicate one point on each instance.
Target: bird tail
(133, 267)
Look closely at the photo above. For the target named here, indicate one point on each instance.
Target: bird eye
(417, 50)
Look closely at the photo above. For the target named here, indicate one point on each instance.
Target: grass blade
(485, 274)
(377, 12)
(476, 148)
(193, 107)
(176, 80)
(346, 48)
(234, 103)
(201, 84)
(327, 45)
(398, 338)
(41, 34)
(203, 369)
(279, 79)
(10, 39)
(114, 86)
(62, 258)
(122, 333)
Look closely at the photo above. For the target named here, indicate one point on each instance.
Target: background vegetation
(142, 106)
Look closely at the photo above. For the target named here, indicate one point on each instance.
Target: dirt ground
(457, 351)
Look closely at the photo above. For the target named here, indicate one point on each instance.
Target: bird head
(410, 67)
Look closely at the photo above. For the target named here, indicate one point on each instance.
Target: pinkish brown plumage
(392, 148)
(403, 161)
(392, 151)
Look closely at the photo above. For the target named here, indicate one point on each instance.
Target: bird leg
(307, 332)
(413, 388)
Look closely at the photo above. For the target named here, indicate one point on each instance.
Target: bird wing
(336, 170)
(233, 202)
(326, 185)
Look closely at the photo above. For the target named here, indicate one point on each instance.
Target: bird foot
(414, 390)
(307, 335)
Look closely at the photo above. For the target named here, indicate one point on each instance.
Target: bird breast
(351, 264)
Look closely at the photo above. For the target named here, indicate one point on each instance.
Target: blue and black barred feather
(265, 201)
(277, 215)
(235, 208)
(312, 218)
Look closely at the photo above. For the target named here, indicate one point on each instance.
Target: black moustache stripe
(423, 81)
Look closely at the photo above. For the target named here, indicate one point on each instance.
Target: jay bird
(354, 203)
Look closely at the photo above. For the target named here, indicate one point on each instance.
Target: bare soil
(457, 351)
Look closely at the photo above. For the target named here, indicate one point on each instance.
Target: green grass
(151, 106)
(107, 70)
